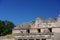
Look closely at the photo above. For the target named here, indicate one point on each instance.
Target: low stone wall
(56, 36)
(5, 38)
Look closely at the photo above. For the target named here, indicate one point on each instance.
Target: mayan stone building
(39, 29)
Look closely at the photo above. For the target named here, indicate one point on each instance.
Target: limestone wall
(56, 30)
(33, 31)
(15, 31)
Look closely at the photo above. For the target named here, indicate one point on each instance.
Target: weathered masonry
(48, 29)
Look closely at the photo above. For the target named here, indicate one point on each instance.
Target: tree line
(6, 27)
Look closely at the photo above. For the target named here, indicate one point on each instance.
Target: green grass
(10, 36)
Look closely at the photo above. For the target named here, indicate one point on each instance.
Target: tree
(6, 27)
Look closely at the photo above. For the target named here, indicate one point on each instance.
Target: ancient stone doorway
(39, 30)
(50, 29)
(28, 30)
(37, 39)
(19, 39)
(25, 39)
(31, 39)
(43, 39)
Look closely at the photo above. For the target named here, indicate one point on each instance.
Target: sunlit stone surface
(39, 29)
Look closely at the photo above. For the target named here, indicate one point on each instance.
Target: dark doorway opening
(28, 30)
(19, 39)
(43, 39)
(39, 30)
(37, 39)
(25, 39)
(50, 29)
(31, 39)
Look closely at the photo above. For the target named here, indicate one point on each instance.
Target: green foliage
(6, 27)
(10, 36)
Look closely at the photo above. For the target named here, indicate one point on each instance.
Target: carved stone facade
(38, 29)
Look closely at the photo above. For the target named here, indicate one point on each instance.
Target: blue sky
(20, 11)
